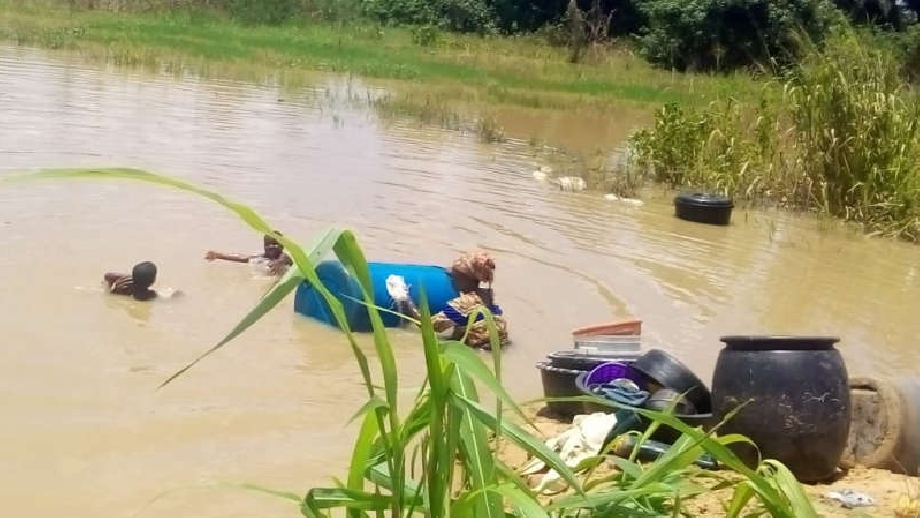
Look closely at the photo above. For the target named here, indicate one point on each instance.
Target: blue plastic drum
(436, 280)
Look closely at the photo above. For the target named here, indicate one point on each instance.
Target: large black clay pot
(800, 408)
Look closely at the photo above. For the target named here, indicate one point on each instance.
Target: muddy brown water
(84, 430)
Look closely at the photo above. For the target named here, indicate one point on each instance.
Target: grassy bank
(521, 71)
(838, 135)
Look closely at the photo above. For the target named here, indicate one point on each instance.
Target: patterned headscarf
(478, 266)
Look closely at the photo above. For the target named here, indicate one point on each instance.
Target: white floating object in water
(546, 169)
(571, 183)
(539, 175)
(629, 201)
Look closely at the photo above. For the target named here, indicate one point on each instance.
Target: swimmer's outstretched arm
(236, 258)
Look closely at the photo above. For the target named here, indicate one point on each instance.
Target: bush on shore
(838, 134)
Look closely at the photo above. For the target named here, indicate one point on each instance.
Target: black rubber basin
(700, 207)
(670, 373)
(558, 382)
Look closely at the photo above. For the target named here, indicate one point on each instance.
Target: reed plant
(837, 134)
(436, 458)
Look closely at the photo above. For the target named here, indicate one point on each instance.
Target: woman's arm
(439, 321)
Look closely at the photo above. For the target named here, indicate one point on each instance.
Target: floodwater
(86, 434)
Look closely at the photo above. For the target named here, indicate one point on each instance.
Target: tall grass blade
(360, 456)
(679, 456)
(287, 495)
(529, 443)
(476, 450)
(350, 254)
(328, 498)
(741, 495)
(245, 213)
(372, 405)
(598, 499)
(469, 362)
(439, 458)
(379, 475)
(526, 505)
(790, 487)
(268, 302)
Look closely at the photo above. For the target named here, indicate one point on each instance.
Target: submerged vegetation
(437, 459)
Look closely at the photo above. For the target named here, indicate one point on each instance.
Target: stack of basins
(593, 346)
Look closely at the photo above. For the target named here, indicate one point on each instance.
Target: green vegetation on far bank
(520, 70)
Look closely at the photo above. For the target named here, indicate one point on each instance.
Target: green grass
(840, 135)
(510, 70)
(436, 459)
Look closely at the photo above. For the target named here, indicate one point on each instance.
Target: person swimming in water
(472, 277)
(273, 256)
(136, 285)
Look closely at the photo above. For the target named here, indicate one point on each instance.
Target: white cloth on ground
(583, 440)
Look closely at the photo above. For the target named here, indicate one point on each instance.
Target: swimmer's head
(143, 275)
(271, 247)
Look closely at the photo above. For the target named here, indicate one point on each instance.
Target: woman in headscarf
(472, 277)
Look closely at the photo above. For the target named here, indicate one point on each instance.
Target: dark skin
(465, 284)
(271, 250)
(122, 284)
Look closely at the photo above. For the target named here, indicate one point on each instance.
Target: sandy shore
(884, 487)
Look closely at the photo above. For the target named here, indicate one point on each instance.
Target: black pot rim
(779, 342)
(703, 199)
(545, 366)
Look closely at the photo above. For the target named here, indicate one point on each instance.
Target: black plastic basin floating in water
(703, 208)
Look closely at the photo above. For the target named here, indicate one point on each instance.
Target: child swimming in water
(273, 256)
(136, 285)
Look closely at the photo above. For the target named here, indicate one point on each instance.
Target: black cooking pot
(799, 412)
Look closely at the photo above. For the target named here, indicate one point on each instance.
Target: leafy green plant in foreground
(449, 433)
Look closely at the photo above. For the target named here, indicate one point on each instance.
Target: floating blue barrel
(308, 302)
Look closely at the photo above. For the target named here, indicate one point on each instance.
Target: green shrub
(263, 12)
(426, 35)
(456, 15)
(857, 135)
(725, 34)
(842, 138)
